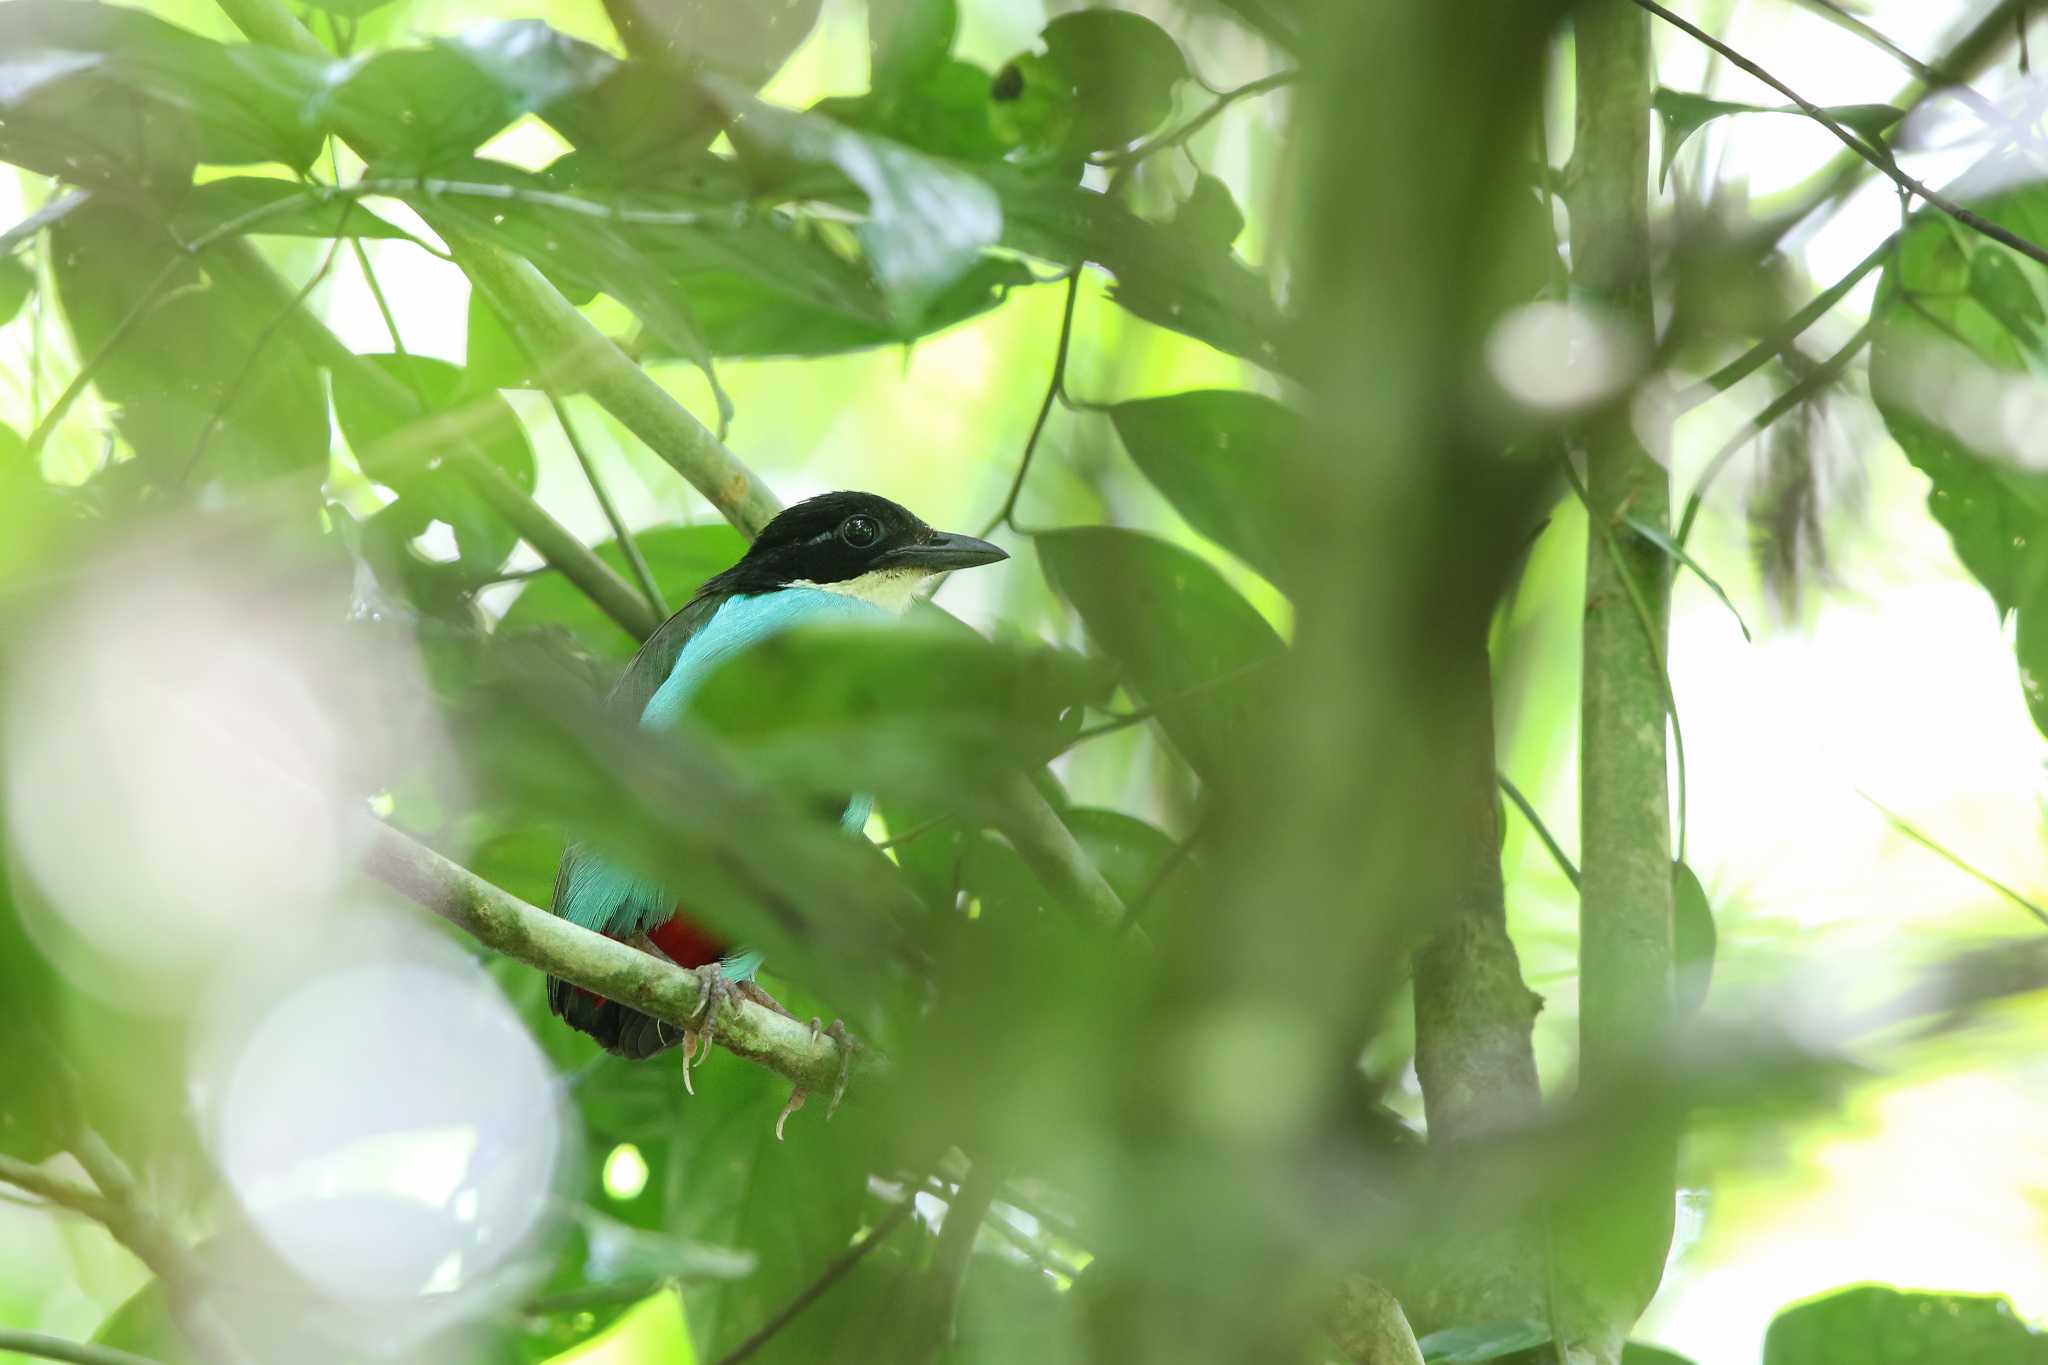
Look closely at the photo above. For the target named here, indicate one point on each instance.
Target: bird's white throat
(893, 590)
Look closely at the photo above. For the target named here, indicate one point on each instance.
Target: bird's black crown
(835, 537)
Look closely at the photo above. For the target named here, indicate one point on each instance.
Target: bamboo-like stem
(1613, 1242)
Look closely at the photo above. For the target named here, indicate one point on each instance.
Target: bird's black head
(856, 543)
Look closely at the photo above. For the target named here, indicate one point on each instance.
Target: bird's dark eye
(860, 532)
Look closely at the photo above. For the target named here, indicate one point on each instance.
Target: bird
(838, 556)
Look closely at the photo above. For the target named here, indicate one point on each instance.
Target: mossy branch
(501, 921)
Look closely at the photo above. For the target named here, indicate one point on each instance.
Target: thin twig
(257, 351)
(916, 831)
(1956, 860)
(627, 545)
(1549, 840)
(1753, 359)
(1825, 374)
(1127, 719)
(1171, 864)
(964, 1217)
(1877, 156)
(831, 1275)
(1200, 121)
(46, 1347)
(59, 1190)
(1053, 392)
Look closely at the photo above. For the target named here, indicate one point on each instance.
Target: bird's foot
(847, 1047)
(720, 990)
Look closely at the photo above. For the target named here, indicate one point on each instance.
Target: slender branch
(588, 360)
(1054, 856)
(1200, 121)
(1007, 512)
(948, 1273)
(257, 351)
(59, 1190)
(1827, 373)
(1135, 912)
(629, 547)
(614, 970)
(1776, 344)
(1542, 831)
(830, 1276)
(1145, 713)
(1842, 17)
(57, 1348)
(1877, 156)
(1900, 824)
(63, 401)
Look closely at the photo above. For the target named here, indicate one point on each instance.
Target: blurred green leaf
(1635, 1353)
(746, 43)
(1222, 458)
(795, 1204)
(1105, 78)
(1188, 644)
(1210, 215)
(928, 222)
(907, 41)
(1683, 114)
(422, 107)
(1949, 297)
(949, 111)
(1482, 1342)
(102, 93)
(1872, 1323)
(17, 282)
(394, 449)
(142, 1324)
(192, 356)
(1693, 940)
(1172, 275)
(895, 709)
(681, 559)
(1128, 852)
(349, 9)
(1121, 68)
(747, 315)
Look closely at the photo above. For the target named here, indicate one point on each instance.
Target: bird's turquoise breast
(739, 623)
(597, 893)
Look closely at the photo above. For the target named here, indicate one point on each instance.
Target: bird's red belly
(685, 943)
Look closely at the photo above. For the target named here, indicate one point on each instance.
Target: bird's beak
(946, 551)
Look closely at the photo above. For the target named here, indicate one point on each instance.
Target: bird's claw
(796, 1102)
(719, 991)
(847, 1047)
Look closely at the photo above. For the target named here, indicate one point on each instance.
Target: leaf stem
(1117, 160)
(1825, 374)
(1877, 156)
(45, 1347)
(1542, 831)
(828, 1277)
(1956, 860)
(1053, 391)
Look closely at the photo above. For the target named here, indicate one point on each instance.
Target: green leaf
(17, 282)
(1105, 78)
(104, 94)
(1221, 458)
(746, 315)
(680, 557)
(1636, 1353)
(1950, 299)
(1693, 940)
(196, 360)
(927, 222)
(1172, 275)
(794, 1205)
(577, 249)
(1482, 1342)
(937, 716)
(1878, 1323)
(1121, 68)
(286, 209)
(349, 9)
(406, 452)
(1683, 114)
(1663, 541)
(1187, 643)
(907, 41)
(950, 111)
(745, 43)
(142, 1324)
(424, 107)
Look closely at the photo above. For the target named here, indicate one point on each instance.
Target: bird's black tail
(619, 1029)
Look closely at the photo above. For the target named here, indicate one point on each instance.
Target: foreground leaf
(1221, 458)
(1879, 1323)
(1187, 643)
